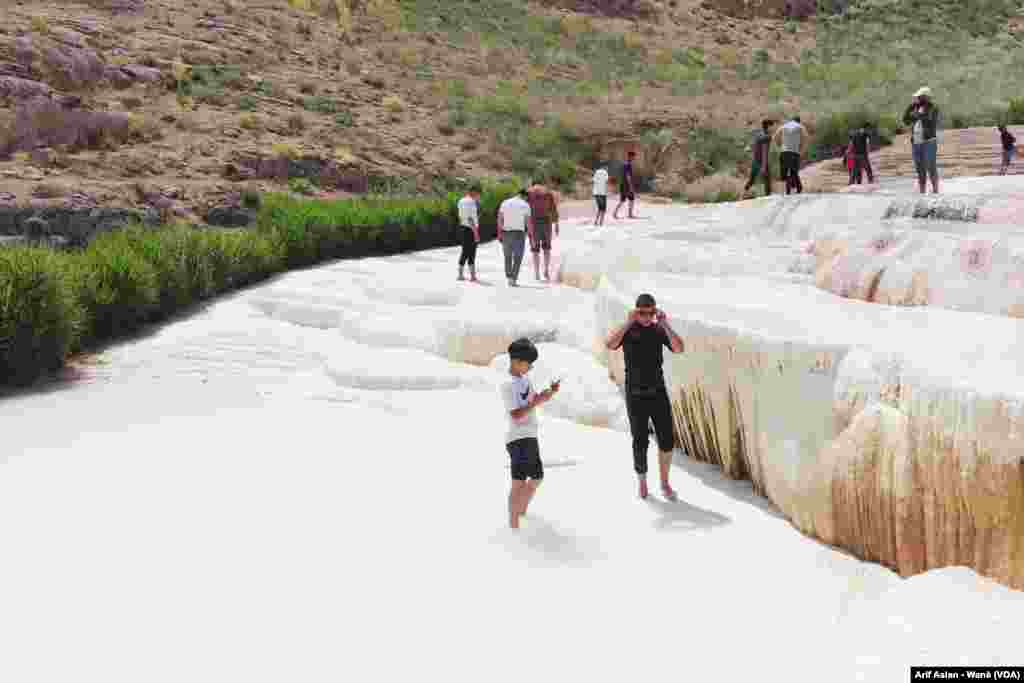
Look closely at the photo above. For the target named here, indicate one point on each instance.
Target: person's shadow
(683, 516)
(554, 547)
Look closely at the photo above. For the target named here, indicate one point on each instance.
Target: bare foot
(643, 489)
(669, 492)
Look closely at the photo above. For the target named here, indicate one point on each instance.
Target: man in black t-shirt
(641, 338)
(861, 141)
(627, 187)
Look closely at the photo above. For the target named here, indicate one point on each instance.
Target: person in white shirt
(515, 218)
(521, 441)
(601, 194)
(794, 139)
(469, 227)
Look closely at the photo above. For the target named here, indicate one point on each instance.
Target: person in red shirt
(544, 206)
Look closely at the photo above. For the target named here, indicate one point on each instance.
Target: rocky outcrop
(77, 226)
(327, 173)
(41, 122)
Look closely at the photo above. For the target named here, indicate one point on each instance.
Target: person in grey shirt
(794, 139)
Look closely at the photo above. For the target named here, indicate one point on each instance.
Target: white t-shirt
(468, 213)
(791, 134)
(600, 183)
(516, 393)
(514, 212)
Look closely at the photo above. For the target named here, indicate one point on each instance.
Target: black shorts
(602, 202)
(627, 195)
(541, 235)
(789, 163)
(525, 455)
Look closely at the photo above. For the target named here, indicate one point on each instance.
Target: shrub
(302, 186)
(249, 122)
(247, 103)
(1015, 112)
(119, 289)
(296, 124)
(251, 199)
(40, 316)
(320, 104)
(284, 150)
(344, 119)
(393, 104)
(40, 24)
(720, 187)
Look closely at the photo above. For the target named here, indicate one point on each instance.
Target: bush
(320, 105)
(301, 186)
(40, 316)
(720, 187)
(53, 303)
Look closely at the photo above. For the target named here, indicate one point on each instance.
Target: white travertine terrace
(894, 432)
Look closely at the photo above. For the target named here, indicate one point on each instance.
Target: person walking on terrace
(923, 115)
(1007, 142)
(601, 193)
(627, 187)
(641, 338)
(861, 141)
(794, 138)
(544, 209)
(759, 162)
(469, 226)
(514, 221)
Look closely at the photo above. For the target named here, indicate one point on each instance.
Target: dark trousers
(790, 163)
(861, 163)
(468, 254)
(641, 410)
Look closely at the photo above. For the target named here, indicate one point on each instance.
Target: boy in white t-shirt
(521, 436)
(601, 194)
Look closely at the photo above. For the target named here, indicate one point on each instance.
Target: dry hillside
(185, 105)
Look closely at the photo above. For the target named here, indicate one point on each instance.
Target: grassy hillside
(405, 95)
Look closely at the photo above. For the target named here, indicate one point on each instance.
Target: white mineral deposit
(307, 480)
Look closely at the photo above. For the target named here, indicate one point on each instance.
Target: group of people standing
(532, 217)
(794, 140)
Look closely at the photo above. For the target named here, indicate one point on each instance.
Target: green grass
(53, 303)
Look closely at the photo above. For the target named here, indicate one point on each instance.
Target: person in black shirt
(627, 187)
(860, 139)
(1007, 141)
(641, 338)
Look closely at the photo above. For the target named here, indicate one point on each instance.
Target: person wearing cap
(923, 115)
(1007, 142)
(521, 436)
(641, 338)
(515, 219)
